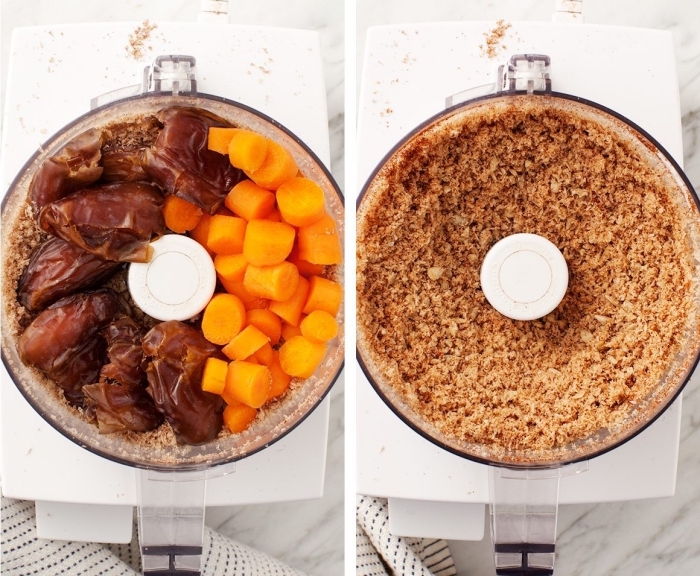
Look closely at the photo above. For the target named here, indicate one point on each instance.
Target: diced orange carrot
(267, 243)
(276, 282)
(300, 357)
(249, 201)
(323, 294)
(226, 234)
(248, 383)
(200, 233)
(247, 150)
(278, 166)
(245, 344)
(305, 268)
(319, 242)
(300, 201)
(289, 331)
(274, 216)
(223, 211)
(280, 379)
(180, 215)
(264, 355)
(238, 418)
(267, 322)
(237, 288)
(219, 138)
(290, 310)
(214, 375)
(231, 266)
(223, 318)
(319, 326)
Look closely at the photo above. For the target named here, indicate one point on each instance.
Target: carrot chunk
(319, 242)
(245, 344)
(223, 318)
(247, 150)
(219, 138)
(247, 200)
(300, 201)
(305, 268)
(180, 215)
(214, 375)
(290, 310)
(267, 243)
(248, 383)
(319, 326)
(274, 216)
(237, 418)
(200, 233)
(226, 234)
(237, 288)
(277, 282)
(323, 294)
(278, 166)
(230, 266)
(267, 322)
(300, 357)
(280, 379)
(289, 331)
(264, 355)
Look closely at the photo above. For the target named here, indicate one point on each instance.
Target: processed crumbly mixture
(424, 228)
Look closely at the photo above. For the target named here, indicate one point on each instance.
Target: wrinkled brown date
(181, 163)
(113, 221)
(123, 166)
(64, 343)
(57, 269)
(178, 353)
(75, 166)
(126, 359)
(119, 408)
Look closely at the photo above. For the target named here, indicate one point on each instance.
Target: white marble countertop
(307, 535)
(650, 537)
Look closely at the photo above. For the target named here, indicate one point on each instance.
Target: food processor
(408, 72)
(268, 80)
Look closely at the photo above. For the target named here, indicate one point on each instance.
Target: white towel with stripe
(379, 553)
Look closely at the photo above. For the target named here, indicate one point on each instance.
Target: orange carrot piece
(280, 379)
(247, 200)
(289, 331)
(264, 355)
(290, 310)
(300, 201)
(230, 266)
(218, 138)
(237, 288)
(319, 242)
(200, 233)
(274, 216)
(245, 344)
(223, 318)
(214, 375)
(267, 243)
(267, 322)
(278, 166)
(323, 294)
(305, 268)
(247, 150)
(237, 418)
(180, 215)
(319, 326)
(226, 234)
(248, 383)
(300, 357)
(277, 282)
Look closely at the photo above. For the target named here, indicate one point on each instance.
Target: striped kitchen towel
(378, 553)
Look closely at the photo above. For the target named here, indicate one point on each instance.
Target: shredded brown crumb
(493, 39)
(425, 327)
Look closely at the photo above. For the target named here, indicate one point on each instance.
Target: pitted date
(113, 221)
(178, 353)
(75, 166)
(57, 269)
(126, 360)
(119, 408)
(64, 342)
(181, 163)
(123, 166)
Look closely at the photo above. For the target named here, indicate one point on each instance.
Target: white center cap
(177, 283)
(524, 276)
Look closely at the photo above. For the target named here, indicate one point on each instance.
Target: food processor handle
(523, 510)
(171, 522)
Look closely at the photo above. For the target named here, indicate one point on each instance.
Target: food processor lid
(526, 78)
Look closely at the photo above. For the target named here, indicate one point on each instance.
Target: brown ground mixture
(424, 228)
